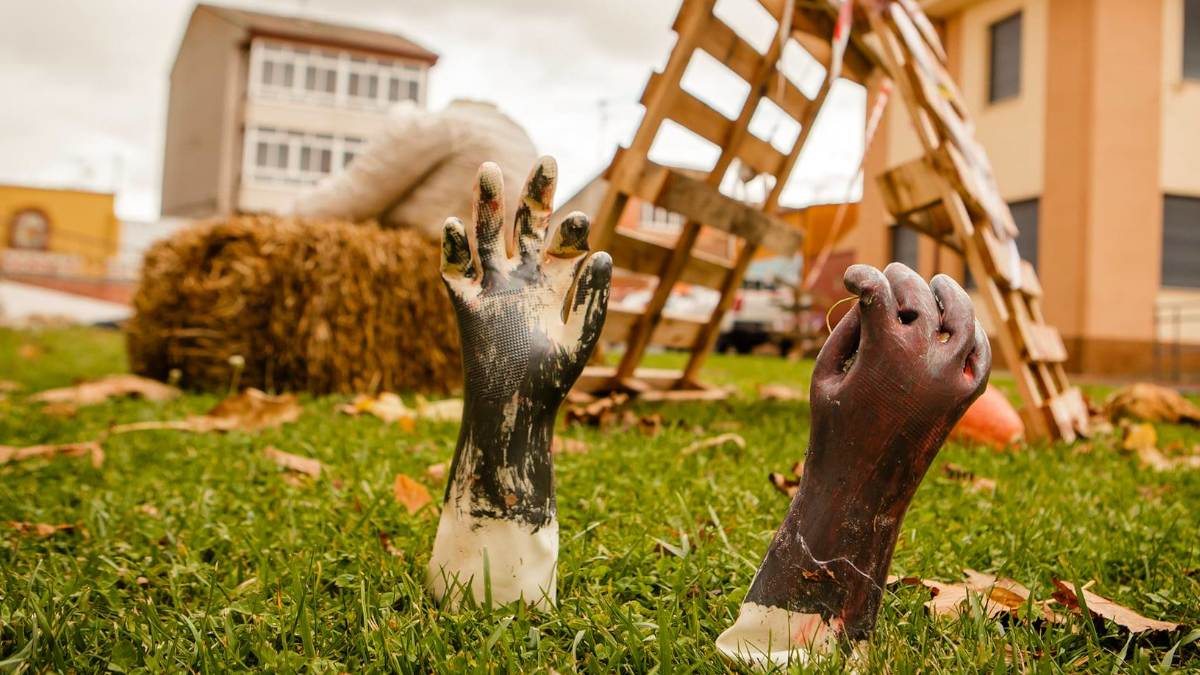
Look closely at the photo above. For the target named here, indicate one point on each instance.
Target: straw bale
(321, 307)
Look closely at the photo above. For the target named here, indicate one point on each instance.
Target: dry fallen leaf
(714, 442)
(1143, 440)
(411, 494)
(436, 471)
(445, 410)
(1104, 608)
(251, 410)
(387, 406)
(1139, 436)
(968, 478)
(112, 386)
(9, 453)
(650, 425)
(60, 409)
(780, 392)
(788, 486)
(30, 351)
(1151, 403)
(999, 595)
(568, 446)
(40, 529)
(305, 465)
(386, 542)
(599, 413)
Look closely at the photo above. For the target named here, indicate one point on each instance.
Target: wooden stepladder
(949, 194)
(699, 200)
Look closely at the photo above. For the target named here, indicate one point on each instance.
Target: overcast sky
(85, 83)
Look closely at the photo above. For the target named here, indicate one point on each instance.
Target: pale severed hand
(529, 314)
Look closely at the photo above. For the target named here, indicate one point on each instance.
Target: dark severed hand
(896, 374)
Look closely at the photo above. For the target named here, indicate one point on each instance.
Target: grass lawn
(193, 553)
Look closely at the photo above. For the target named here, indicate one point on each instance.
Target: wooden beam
(599, 378)
(640, 254)
(709, 334)
(704, 204)
(689, 23)
(910, 187)
(671, 330)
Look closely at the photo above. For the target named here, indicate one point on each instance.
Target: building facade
(56, 233)
(1090, 113)
(262, 106)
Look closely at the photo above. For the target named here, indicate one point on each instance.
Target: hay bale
(310, 306)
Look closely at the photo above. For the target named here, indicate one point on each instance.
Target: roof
(332, 34)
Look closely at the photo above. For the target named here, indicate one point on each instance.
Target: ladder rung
(638, 253)
(672, 330)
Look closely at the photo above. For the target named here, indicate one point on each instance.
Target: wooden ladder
(951, 195)
(699, 200)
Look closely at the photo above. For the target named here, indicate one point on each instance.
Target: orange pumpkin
(990, 420)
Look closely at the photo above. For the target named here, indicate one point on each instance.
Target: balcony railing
(1177, 342)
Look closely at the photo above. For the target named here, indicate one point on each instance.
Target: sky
(87, 84)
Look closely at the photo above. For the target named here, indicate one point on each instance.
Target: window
(29, 229)
(904, 245)
(1191, 39)
(657, 219)
(1004, 77)
(1025, 217)
(1181, 242)
(352, 145)
(275, 156)
(280, 70)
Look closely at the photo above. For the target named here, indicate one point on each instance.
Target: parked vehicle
(761, 314)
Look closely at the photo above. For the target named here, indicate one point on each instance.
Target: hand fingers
(585, 308)
(978, 365)
(958, 314)
(876, 304)
(456, 250)
(534, 211)
(914, 300)
(571, 237)
(487, 244)
(838, 348)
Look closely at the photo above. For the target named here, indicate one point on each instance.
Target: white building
(263, 105)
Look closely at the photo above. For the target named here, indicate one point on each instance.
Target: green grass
(242, 570)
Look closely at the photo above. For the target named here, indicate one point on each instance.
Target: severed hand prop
(530, 314)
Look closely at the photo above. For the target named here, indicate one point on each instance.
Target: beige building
(1090, 112)
(262, 106)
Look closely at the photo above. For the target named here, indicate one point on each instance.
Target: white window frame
(294, 174)
(342, 63)
(653, 218)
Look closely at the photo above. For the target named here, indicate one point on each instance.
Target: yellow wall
(81, 223)
(1180, 110)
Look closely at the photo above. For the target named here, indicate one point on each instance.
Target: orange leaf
(304, 465)
(251, 410)
(98, 391)
(90, 448)
(40, 529)
(411, 494)
(436, 471)
(1104, 608)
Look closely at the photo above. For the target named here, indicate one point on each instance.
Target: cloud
(87, 81)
